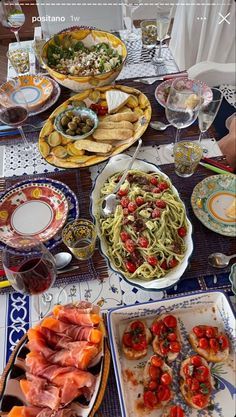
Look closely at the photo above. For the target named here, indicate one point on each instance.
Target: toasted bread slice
(131, 353)
(209, 354)
(170, 356)
(185, 389)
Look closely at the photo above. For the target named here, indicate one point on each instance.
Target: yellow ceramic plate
(36, 89)
(60, 151)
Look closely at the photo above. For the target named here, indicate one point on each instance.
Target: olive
(64, 121)
(89, 122)
(84, 118)
(78, 131)
(76, 119)
(72, 126)
(70, 132)
(69, 114)
(86, 129)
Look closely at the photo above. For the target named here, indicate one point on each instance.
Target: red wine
(35, 276)
(13, 116)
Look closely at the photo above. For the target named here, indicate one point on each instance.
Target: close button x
(223, 18)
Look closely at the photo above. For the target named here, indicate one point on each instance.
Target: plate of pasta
(148, 240)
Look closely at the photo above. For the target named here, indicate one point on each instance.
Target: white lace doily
(229, 93)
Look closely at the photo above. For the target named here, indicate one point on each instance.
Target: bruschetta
(208, 342)
(173, 411)
(157, 380)
(166, 340)
(135, 340)
(196, 382)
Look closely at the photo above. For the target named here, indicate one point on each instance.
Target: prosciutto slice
(82, 313)
(24, 411)
(41, 394)
(50, 326)
(70, 379)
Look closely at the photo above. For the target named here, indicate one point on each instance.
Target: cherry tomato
(143, 242)
(138, 326)
(129, 245)
(166, 378)
(200, 400)
(164, 347)
(150, 400)
(210, 332)
(158, 327)
(94, 107)
(172, 337)
(130, 266)
(156, 213)
(156, 190)
(170, 321)
(125, 212)
(123, 192)
(154, 372)
(139, 342)
(163, 393)
(194, 385)
(139, 201)
(214, 344)
(182, 231)
(175, 347)
(154, 181)
(187, 370)
(102, 110)
(173, 263)
(163, 186)
(124, 236)
(223, 342)
(199, 331)
(203, 343)
(202, 373)
(163, 265)
(132, 207)
(153, 385)
(176, 411)
(127, 339)
(156, 361)
(161, 204)
(124, 202)
(152, 260)
(196, 360)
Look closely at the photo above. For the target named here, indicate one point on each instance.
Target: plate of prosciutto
(60, 367)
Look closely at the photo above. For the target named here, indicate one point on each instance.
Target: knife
(154, 78)
(213, 168)
(217, 164)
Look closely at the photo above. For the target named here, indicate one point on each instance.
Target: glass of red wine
(30, 270)
(14, 109)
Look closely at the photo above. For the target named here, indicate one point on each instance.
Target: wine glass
(31, 270)
(131, 5)
(182, 105)
(208, 112)
(13, 17)
(14, 109)
(163, 23)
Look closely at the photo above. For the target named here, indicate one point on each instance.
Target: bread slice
(115, 100)
(131, 353)
(184, 388)
(209, 354)
(170, 356)
(147, 379)
(92, 146)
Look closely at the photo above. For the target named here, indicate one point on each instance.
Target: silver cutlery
(159, 125)
(27, 127)
(220, 260)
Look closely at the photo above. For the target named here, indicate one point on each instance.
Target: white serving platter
(209, 308)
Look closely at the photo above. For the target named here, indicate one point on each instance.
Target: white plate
(119, 163)
(210, 308)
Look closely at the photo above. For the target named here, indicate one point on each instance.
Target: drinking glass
(13, 17)
(183, 103)
(208, 112)
(187, 156)
(80, 238)
(149, 33)
(131, 5)
(14, 109)
(31, 270)
(163, 23)
(20, 61)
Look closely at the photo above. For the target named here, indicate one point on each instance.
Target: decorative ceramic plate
(61, 152)
(52, 99)
(36, 89)
(210, 200)
(33, 209)
(162, 90)
(73, 206)
(232, 278)
(114, 165)
(15, 370)
(211, 308)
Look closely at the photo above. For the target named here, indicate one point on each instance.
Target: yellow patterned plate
(36, 89)
(61, 152)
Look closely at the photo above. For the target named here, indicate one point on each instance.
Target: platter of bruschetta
(175, 357)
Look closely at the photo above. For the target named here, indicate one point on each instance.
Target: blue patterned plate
(73, 211)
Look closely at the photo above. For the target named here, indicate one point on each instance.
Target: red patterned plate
(34, 209)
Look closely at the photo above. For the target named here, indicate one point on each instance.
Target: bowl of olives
(76, 123)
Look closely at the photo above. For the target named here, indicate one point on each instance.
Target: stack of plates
(36, 208)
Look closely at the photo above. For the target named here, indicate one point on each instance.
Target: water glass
(80, 238)
(187, 156)
(20, 61)
(149, 33)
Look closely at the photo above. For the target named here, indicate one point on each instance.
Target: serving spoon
(110, 201)
(220, 260)
(159, 125)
